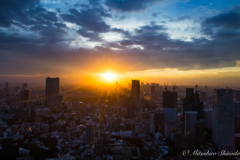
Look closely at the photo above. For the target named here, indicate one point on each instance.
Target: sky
(188, 41)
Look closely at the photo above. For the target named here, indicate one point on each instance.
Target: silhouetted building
(192, 103)
(25, 98)
(131, 102)
(169, 106)
(189, 123)
(90, 132)
(199, 132)
(52, 92)
(136, 89)
(159, 121)
(208, 118)
(223, 119)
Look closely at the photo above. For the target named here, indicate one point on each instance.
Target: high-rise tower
(169, 106)
(52, 92)
(90, 132)
(25, 98)
(136, 89)
(223, 119)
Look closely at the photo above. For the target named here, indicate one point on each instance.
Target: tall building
(190, 120)
(223, 119)
(90, 132)
(169, 106)
(192, 103)
(25, 98)
(131, 102)
(136, 89)
(208, 118)
(199, 133)
(52, 92)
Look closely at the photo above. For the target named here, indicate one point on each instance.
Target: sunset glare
(108, 76)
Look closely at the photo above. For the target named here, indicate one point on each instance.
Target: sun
(109, 76)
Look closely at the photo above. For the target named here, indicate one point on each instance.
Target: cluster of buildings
(143, 121)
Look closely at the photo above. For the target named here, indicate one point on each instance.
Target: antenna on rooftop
(166, 85)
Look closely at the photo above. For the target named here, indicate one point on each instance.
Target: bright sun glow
(108, 75)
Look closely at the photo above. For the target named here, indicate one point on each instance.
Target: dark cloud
(91, 35)
(229, 20)
(14, 10)
(90, 19)
(129, 5)
(223, 26)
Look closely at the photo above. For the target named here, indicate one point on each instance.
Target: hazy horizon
(191, 42)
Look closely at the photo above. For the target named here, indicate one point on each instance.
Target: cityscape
(142, 121)
(119, 79)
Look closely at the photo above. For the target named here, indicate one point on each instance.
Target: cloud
(129, 5)
(15, 10)
(155, 14)
(90, 19)
(36, 41)
(228, 20)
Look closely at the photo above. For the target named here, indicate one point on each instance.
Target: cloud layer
(35, 39)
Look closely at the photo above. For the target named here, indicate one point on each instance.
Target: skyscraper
(192, 103)
(190, 120)
(52, 92)
(136, 89)
(223, 119)
(25, 98)
(169, 106)
(131, 102)
(90, 132)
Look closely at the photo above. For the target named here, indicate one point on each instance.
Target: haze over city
(191, 42)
